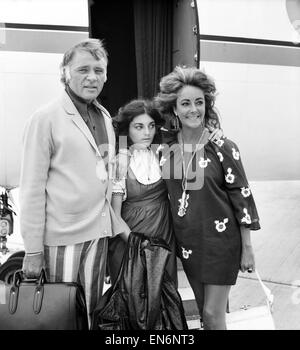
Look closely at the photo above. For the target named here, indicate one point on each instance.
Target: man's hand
(32, 265)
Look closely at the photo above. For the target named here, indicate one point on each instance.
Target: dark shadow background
(138, 37)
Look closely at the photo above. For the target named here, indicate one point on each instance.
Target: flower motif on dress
(245, 191)
(162, 161)
(246, 218)
(229, 177)
(220, 155)
(235, 154)
(204, 162)
(221, 225)
(220, 142)
(186, 253)
(159, 148)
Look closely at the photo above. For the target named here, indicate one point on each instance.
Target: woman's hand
(216, 134)
(247, 259)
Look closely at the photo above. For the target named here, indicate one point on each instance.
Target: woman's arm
(247, 258)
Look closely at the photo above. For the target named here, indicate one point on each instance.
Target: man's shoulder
(49, 106)
(47, 111)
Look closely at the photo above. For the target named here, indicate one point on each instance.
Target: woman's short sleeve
(236, 184)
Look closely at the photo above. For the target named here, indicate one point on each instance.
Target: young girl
(140, 198)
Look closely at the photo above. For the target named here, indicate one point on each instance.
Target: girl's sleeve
(236, 184)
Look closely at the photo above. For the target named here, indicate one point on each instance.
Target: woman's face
(142, 130)
(190, 106)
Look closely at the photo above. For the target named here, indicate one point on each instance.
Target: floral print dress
(208, 235)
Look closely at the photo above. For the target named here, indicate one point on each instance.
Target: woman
(212, 206)
(140, 198)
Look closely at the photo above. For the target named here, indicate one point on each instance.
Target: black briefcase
(36, 304)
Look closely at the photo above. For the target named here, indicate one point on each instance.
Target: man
(65, 187)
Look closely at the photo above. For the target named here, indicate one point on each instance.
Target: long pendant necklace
(185, 196)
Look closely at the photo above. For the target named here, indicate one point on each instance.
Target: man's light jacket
(65, 189)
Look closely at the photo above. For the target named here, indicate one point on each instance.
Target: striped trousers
(84, 263)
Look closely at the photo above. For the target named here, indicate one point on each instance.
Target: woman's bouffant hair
(134, 108)
(176, 80)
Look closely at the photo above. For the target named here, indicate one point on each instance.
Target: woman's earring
(176, 123)
(179, 125)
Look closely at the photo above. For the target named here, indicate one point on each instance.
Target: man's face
(87, 75)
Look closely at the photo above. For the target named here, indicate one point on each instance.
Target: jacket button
(105, 232)
(103, 214)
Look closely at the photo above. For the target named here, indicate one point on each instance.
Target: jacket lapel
(78, 120)
(109, 130)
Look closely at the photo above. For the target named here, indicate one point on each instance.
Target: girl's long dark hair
(134, 108)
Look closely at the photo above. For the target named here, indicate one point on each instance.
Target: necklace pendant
(183, 204)
(181, 211)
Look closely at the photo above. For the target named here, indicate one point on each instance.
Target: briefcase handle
(20, 277)
(38, 293)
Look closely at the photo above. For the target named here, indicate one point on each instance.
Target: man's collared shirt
(94, 119)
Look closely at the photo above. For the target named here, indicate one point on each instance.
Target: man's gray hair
(94, 46)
